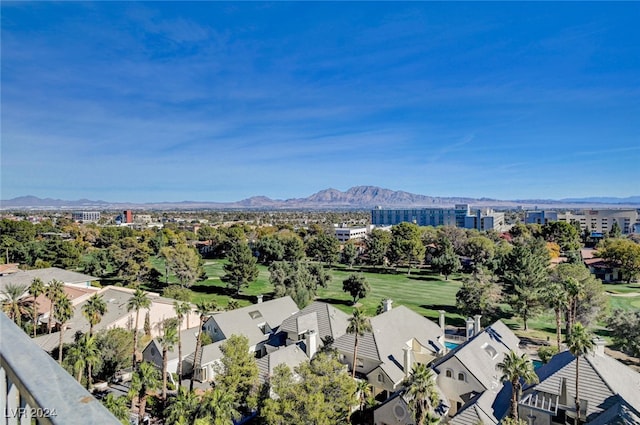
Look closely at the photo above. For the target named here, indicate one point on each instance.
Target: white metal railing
(34, 387)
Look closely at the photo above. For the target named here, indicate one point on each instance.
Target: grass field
(424, 292)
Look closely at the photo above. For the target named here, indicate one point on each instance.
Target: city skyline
(152, 102)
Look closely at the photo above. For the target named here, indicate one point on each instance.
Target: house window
(380, 378)
(203, 373)
(462, 376)
(449, 373)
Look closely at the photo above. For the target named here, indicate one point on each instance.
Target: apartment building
(460, 216)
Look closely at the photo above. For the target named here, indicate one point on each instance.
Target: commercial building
(343, 234)
(85, 216)
(592, 220)
(460, 216)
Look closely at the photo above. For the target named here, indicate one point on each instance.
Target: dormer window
(488, 348)
(255, 314)
(462, 377)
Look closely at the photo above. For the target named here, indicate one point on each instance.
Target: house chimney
(599, 345)
(260, 298)
(476, 324)
(407, 360)
(311, 343)
(470, 326)
(442, 325)
(387, 305)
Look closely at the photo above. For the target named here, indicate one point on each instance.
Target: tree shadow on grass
(424, 278)
(335, 301)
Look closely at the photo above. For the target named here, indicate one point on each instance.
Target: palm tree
(363, 390)
(93, 310)
(167, 341)
(421, 392)
(558, 299)
(63, 313)
(181, 309)
(137, 302)
(54, 291)
(118, 406)
(82, 354)
(183, 408)
(358, 325)
(12, 303)
(202, 309)
(575, 291)
(145, 381)
(580, 342)
(219, 406)
(35, 290)
(516, 369)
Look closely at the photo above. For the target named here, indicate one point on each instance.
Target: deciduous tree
(357, 286)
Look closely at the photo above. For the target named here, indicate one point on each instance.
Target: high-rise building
(460, 216)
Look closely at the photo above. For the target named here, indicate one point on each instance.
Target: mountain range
(359, 197)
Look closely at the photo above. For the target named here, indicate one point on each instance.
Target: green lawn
(422, 291)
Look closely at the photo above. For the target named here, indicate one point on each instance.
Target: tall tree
(406, 244)
(580, 342)
(377, 244)
(184, 261)
(241, 267)
(359, 324)
(481, 250)
(479, 294)
(81, 354)
(144, 382)
(299, 280)
(557, 298)
(54, 291)
(238, 372)
(13, 302)
(137, 302)
(516, 369)
(421, 392)
(562, 233)
(525, 275)
(349, 254)
(35, 290)
(202, 308)
(182, 309)
(167, 341)
(63, 313)
(357, 286)
(621, 253)
(445, 261)
(324, 248)
(93, 310)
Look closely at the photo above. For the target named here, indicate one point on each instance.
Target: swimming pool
(451, 345)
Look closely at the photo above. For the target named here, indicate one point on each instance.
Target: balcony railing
(33, 387)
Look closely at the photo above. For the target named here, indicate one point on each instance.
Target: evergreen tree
(446, 261)
(516, 369)
(241, 267)
(238, 372)
(377, 243)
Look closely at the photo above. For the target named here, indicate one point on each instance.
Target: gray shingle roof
(245, 321)
(290, 355)
(210, 353)
(603, 381)
(188, 338)
(392, 331)
(482, 353)
(321, 317)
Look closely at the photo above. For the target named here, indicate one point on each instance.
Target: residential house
(25, 277)
(322, 320)
(469, 378)
(258, 322)
(290, 355)
(152, 353)
(116, 316)
(399, 338)
(609, 391)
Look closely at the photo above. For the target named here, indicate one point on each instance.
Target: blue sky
(213, 101)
